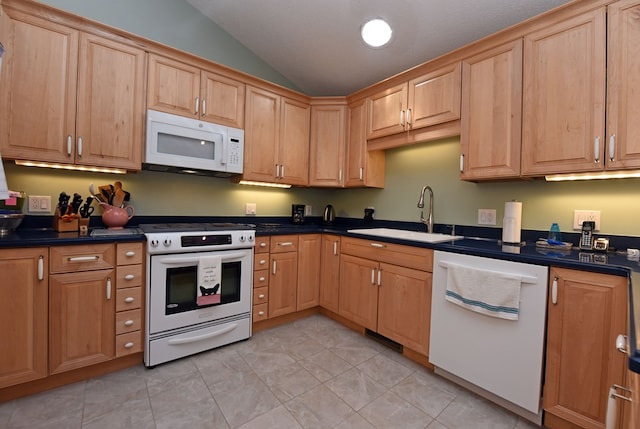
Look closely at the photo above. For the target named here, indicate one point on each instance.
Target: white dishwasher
(498, 358)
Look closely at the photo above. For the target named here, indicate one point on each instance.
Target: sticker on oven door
(209, 291)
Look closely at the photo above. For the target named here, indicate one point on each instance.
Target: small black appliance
(297, 213)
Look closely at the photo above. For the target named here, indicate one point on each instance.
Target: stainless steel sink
(402, 234)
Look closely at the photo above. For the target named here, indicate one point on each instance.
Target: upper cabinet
(276, 138)
(490, 131)
(327, 143)
(67, 96)
(427, 100)
(186, 90)
(364, 168)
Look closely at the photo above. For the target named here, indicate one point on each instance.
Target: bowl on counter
(9, 221)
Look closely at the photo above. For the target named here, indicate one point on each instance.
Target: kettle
(329, 214)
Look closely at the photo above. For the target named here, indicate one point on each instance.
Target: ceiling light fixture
(376, 33)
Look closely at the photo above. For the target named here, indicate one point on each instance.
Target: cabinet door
(222, 100)
(262, 133)
(81, 319)
(282, 283)
(330, 272)
(404, 306)
(293, 152)
(490, 135)
(582, 363)
(358, 300)
(23, 315)
(363, 167)
(173, 87)
(564, 96)
(327, 145)
(434, 98)
(623, 110)
(110, 117)
(308, 294)
(38, 90)
(387, 110)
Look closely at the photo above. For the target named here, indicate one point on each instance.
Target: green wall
(408, 169)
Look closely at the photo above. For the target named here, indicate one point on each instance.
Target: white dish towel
(488, 292)
(209, 273)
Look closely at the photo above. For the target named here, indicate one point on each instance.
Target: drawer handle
(129, 277)
(263, 244)
(130, 254)
(261, 296)
(378, 245)
(83, 258)
(129, 299)
(262, 261)
(260, 313)
(286, 243)
(129, 323)
(128, 345)
(262, 279)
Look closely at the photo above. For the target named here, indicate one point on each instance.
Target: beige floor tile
(384, 370)
(356, 388)
(318, 408)
(289, 382)
(132, 414)
(57, 408)
(468, 411)
(355, 421)
(390, 411)
(424, 393)
(278, 418)
(325, 365)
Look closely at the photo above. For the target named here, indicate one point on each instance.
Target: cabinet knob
(260, 313)
(261, 296)
(129, 299)
(129, 277)
(128, 345)
(130, 254)
(128, 323)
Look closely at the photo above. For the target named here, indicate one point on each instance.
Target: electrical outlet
(250, 209)
(580, 216)
(39, 204)
(307, 210)
(486, 216)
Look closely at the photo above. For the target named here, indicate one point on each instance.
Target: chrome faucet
(429, 220)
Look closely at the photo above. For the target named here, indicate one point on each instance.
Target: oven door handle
(180, 341)
(187, 259)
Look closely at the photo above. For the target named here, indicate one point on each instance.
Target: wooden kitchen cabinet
(582, 364)
(187, 90)
(330, 272)
(327, 143)
(430, 99)
(387, 288)
(632, 409)
(309, 262)
(82, 306)
(364, 168)
(276, 138)
(23, 315)
(129, 298)
(283, 275)
(70, 97)
(491, 118)
(261, 260)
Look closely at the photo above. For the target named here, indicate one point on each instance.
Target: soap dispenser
(555, 237)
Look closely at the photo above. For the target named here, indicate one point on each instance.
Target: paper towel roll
(512, 222)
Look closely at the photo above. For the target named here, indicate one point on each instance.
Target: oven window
(182, 282)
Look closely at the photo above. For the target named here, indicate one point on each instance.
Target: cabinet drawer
(260, 295)
(261, 262)
(284, 243)
(128, 299)
(262, 245)
(128, 321)
(128, 343)
(130, 253)
(260, 278)
(65, 259)
(397, 254)
(260, 312)
(129, 276)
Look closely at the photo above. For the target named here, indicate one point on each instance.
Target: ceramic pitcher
(116, 217)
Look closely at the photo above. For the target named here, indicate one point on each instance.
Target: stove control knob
(242, 239)
(167, 242)
(250, 238)
(154, 243)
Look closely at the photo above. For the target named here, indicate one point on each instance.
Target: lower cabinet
(283, 276)
(24, 294)
(586, 312)
(330, 272)
(309, 260)
(387, 288)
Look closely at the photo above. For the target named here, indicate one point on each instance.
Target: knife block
(64, 225)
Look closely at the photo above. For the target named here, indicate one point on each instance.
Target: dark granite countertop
(478, 241)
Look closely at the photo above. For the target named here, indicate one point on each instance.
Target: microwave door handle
(223, 152)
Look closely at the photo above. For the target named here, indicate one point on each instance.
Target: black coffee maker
(297, 213)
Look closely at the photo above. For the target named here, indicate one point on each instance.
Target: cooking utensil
(119, 195)
(96, 195)
(106, 193)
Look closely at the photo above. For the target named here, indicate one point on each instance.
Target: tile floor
(313, 373)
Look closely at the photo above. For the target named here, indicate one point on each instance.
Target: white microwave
(185, 145)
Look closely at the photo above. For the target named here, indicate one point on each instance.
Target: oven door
(176, 295)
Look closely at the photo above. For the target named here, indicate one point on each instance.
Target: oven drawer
(129, 276)
(260, 295)
(130, 253)
(128, 321)
(260, 278)
(261, 262)
(129, 298)
(66, 259)
(260, 312)
(284, 243)
(128, 343)
(262, 245)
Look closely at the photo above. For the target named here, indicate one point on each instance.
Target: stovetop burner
(195, 227)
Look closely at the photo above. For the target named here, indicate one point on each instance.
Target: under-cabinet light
(267, 184)
(593, 176)
(71, 167)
